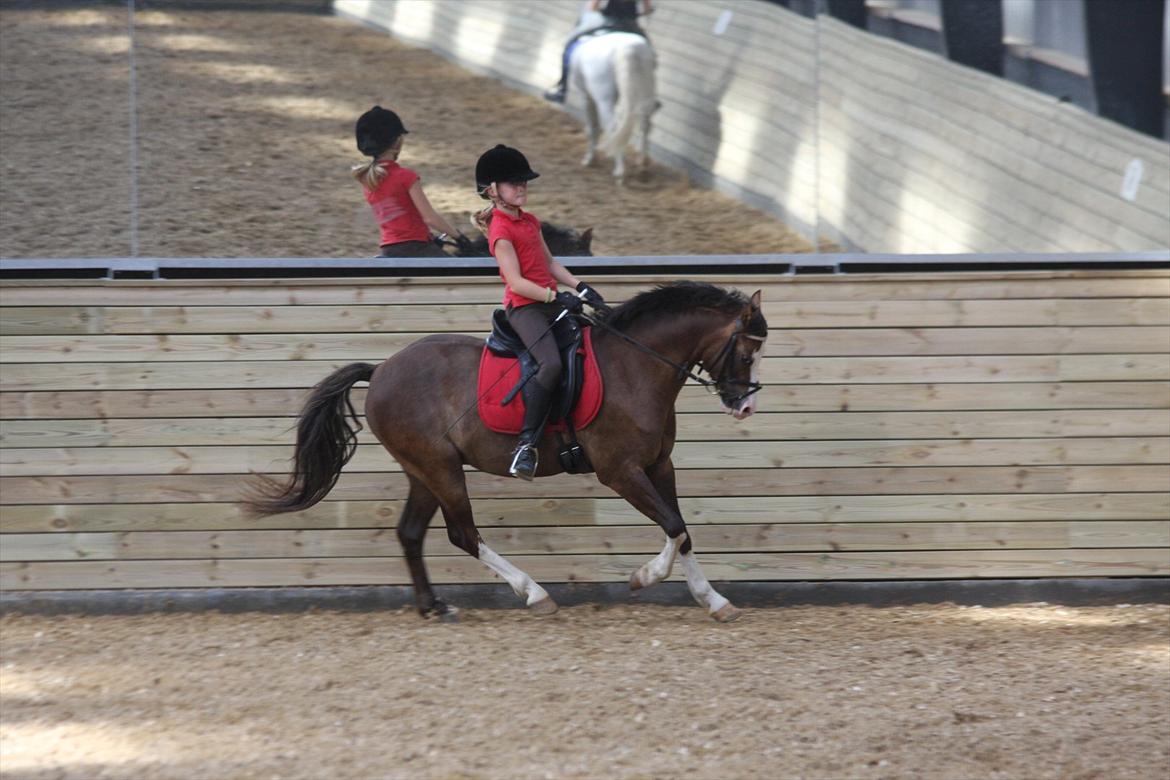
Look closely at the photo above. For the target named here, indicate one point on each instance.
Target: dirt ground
(244, 127)
(936, 691)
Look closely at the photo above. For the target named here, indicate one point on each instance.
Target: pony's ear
(756, 299)
(586, 238)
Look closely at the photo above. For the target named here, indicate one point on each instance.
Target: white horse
(614, 71)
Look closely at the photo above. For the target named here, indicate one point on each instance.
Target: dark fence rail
(211, 267)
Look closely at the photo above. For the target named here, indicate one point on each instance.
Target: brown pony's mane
(680, 298)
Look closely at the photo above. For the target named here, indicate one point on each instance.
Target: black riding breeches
(531, 323)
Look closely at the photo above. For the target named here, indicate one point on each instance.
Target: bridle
(722, 360)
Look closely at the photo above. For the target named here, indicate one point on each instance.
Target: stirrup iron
(525, 460)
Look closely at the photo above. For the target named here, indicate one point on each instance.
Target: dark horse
(562, 242)
(416, 404)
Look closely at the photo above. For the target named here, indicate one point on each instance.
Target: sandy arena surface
(245, 138)
(939, 691)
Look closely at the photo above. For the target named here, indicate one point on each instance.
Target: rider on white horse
(599, 16)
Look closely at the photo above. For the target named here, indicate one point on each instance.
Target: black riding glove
(593, 298)
(569, 301)
(464, 245)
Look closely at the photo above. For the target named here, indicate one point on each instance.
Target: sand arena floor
(1025, 693)
(245, 138)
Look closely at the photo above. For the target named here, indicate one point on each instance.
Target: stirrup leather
(525, 460)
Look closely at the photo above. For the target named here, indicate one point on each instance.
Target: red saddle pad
(510, 418)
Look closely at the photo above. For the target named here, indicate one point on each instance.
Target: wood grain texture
(1090, 396)
(274, 572)
(551, 512)
(950, 425)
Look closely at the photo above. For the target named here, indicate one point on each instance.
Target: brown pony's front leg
(653, 493)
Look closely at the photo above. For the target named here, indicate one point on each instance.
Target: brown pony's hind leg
(412, 529)
(450, 487)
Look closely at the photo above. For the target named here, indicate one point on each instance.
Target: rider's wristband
(549, 295)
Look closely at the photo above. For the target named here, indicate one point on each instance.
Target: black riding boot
(525, 457)
(556, 94)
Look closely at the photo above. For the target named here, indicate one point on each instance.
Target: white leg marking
(700, 588)
(658, 568)
(524, 586)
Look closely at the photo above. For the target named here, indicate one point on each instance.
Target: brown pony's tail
(325, 443)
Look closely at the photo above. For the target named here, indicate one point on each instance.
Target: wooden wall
(919, 154)
(926, 426)
(867, 141)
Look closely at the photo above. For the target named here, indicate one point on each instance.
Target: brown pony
(416, 407)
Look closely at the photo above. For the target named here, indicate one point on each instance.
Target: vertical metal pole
(133, 108)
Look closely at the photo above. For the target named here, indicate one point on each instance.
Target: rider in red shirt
(395, 193)
(531, 297)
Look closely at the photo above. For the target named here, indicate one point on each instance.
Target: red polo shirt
(395, 211)
(524, 233)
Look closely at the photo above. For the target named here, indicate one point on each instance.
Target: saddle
(505, 366)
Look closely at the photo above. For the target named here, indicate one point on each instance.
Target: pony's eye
(747, 360)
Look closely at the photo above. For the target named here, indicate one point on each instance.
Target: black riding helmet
(501, 163)
(377, 130)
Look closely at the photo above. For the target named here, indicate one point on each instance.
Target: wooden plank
(274, 402)
(377, 346)
(924, 480)
(827, 426)
(379, 318)
(711, 426)
(249, 374)
(271, 572)
(1102, 507)
(244, 459)
(577, 540)
(1151, 283)
(969, 313)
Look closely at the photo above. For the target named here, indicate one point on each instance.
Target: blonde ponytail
(370, 174)
(483, 219)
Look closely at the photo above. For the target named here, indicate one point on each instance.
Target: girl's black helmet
(501, 163)
(377, 130)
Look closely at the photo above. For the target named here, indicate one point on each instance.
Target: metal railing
(187, 267)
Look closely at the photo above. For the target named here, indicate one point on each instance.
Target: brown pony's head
(738, 377)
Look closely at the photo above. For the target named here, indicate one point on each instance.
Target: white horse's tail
(634, 73)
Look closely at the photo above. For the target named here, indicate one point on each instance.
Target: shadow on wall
(742, 117)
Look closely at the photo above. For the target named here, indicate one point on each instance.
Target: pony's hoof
(444, 612)
(727, 613)
(636, 581)
(544, 607)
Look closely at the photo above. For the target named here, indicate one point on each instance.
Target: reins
(685, 372)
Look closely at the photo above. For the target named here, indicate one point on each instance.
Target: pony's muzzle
(743, 409)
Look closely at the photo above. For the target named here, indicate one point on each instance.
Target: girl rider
(395, 193)
(531, 276)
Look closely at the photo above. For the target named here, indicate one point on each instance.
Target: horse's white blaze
(524, 586)
(699, 586)
(658, 568)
